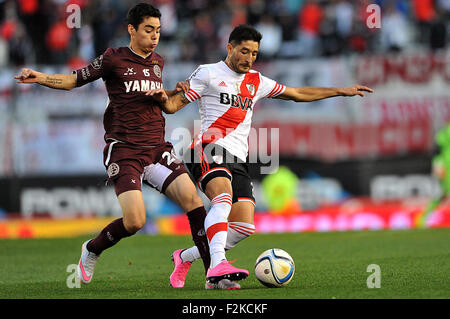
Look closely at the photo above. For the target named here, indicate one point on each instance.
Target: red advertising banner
(362, 215)
(414, 68)
(340, 141)
(367, 218)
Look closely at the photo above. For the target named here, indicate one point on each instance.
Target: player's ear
(229, 48)
(131, 29)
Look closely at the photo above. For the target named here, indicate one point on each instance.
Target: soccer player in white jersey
(226, 92)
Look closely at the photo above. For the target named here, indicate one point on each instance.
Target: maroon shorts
(129, 166)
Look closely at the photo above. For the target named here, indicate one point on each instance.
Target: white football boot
(222, 284)
(86, 265)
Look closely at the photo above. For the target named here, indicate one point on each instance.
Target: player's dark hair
(244, 32)
(140, 11)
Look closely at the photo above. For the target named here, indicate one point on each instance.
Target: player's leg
(133, 209)
(183, 192)
(125, 174)
(240, 220)
(214, 179)
(240, 223)
(127, 186)
(219, 191)
(215, 223)
(240, 226)
(169, 176)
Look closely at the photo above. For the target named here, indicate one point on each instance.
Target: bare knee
(183, 192)
(242, 212)
(134, 219)
(190, 201)
(217, 186)
(133, 208)
(133, 225)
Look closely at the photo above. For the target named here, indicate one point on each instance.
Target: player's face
(243, 55)
(146, 37)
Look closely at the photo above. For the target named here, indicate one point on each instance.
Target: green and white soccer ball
(274, 268)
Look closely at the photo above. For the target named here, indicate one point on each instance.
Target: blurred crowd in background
(36, 32)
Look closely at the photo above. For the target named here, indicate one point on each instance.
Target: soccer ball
(274, 268)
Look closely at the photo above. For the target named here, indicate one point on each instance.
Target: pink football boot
(225, 270)
(180, 271)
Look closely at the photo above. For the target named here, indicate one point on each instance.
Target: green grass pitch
(413, 264)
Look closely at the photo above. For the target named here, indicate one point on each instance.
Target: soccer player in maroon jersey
(227, 90)
(135, 150)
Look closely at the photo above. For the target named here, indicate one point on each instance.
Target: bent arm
(181, 86)
(170, 92)
(175, 103)
(309, 94)
(169, 104)
(54, 81)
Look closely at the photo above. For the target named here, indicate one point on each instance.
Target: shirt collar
(227, 69)
(139, 54)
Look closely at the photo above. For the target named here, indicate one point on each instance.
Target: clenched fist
(27, 76)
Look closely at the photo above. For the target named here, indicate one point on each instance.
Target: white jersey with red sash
(226, 99)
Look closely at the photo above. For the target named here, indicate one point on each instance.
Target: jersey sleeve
(198, 83)
(99, 68)
(270, 88)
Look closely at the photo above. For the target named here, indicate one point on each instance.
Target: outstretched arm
(54, 81)
(170, 104)
(308, 94)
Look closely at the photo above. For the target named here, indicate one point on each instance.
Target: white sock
(236, 232)
(216, 227)
(190, 254)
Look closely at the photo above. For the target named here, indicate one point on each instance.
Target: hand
(182, 86)
(27, 76)
(159, 95)
(355, 90)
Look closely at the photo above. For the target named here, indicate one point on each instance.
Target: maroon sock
(108, 237)
(196, 219)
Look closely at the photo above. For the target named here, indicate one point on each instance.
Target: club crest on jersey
(113, 169)
(218, 159)
(251, 89)
(157, 71)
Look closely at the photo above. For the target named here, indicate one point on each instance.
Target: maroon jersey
(131, 116)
